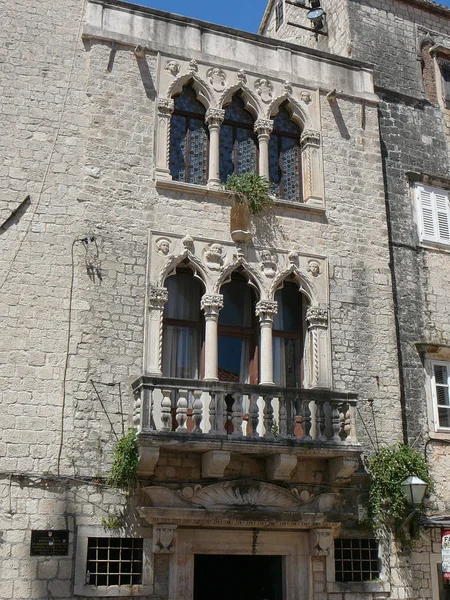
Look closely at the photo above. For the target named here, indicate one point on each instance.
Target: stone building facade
(408, 44)
(255, 395)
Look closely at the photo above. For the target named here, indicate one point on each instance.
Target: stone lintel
(280, 466)
(214, 463)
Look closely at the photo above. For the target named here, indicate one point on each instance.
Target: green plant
(250, 189)
(112, 521)
(123, 473)
(388, 468)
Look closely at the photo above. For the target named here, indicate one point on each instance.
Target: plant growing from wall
(123, 473)
(388, 468)
(112, 521)
(251, 190)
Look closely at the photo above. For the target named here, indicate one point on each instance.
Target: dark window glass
(188, 139)
(356, 560)
(183, 331)
(238, 142)
(284, 157)
(288, 336)
(445, 78)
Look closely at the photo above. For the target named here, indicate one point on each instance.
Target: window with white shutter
(440, 383)
(433, 214)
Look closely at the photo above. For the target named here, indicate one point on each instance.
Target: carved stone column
(263, 129)
(317, 320)
(157, 297)
(211, 304)
(312, 168)
(214, 118)
(165, 110)
(266, 310)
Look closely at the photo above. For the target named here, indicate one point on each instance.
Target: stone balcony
(216, 419)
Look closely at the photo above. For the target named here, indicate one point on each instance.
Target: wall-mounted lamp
(414, 490)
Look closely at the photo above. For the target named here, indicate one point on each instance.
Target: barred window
(356, 560)
(114, 561)
(284, 157)
(238, 143)
(188, 139)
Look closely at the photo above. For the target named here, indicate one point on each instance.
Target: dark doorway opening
(228, 577)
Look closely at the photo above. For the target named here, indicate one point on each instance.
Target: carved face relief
(242, 77)
(173, 68)
(217, 79)
(314, 268)
(268, 264)
(293, 257)
(264, 89)
(193, 66)
(213, 256)
(163, 246)
(305, 97)
(188, 243)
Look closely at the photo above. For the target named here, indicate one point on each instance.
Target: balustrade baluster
(335, 421)
(268, 417)
(352, 411)
(237, 415)
(181, 414)
(283, 417)
(345, 421)
(306, 420)
(253, 415)
(320, 421)
(166, 411)
(212, 413)
(197, 415)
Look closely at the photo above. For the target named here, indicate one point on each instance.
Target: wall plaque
(45, 542)
(446, 554)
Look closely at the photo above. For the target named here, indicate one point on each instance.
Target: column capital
(212, 304)
(214, 116)
(266, 310)
(310, 137)
(263, 126)
(317, 317)
(157, 297)
(165, 106)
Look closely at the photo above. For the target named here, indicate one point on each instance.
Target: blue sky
(241, 14)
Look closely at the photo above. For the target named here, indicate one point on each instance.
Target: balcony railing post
(306, 419)
(335, 421)
(268, 417)
(283, 417)
(320, 421)
(166, 411)
(197, 408)
(237, 415)
(181, 414)
(253, 416)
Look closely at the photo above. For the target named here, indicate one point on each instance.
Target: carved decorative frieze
(321, 541)
(310, 137)
(264, 89)
(216, 78)
(268, 263)
(164, 539)
(165, 106)
(263, 127)
(317, 317)
(157, 297)
(214, 116)
(214, 256)
(266, 310)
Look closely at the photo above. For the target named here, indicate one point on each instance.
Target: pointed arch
(193, 263)
(253, 276)
(305, 287)
(249, 99)
(296, 112)
(203, 92)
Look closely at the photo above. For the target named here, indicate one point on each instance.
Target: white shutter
(427, 226)
(442, 213)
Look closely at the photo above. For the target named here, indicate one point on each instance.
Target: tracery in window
(188, 139)
(284, 157)
(238, 142)
(238, 332)
(288, 336)
(183, 326)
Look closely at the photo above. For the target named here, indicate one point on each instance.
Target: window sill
(440, 434)
(222, 194)
(359, 586)
(112, 591)
(436, 246)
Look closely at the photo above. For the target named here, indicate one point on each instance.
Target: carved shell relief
(214, 261)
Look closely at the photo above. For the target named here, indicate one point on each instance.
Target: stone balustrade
(239, 411)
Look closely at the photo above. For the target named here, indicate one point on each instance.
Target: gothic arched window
(183, 326)
(288, 336)
(284, 157)
(238, 142)
(188, 139)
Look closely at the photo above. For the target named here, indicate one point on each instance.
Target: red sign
(446, 553)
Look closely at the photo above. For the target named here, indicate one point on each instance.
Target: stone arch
(296, 112)
(252, 276)
(201, 88)
(305, 287)
(251, 104)
(199, 271)
(428, 70)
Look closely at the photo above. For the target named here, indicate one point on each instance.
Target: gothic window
(284, 157)
(238, 142)
(444, 66)
(288, 336)
(183, 326)
(238, 332)
(188, 139)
